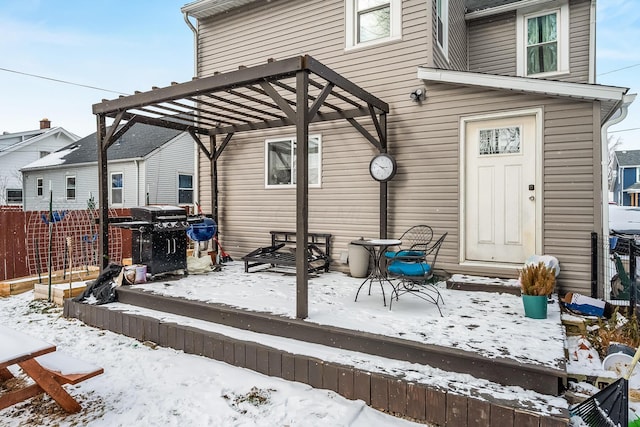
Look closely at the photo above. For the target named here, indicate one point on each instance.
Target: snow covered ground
(148, 385)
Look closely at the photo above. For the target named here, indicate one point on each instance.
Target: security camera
(417, 95)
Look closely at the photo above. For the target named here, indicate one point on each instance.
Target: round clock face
(382, 167)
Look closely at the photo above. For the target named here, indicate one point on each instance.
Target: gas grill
(158, 239)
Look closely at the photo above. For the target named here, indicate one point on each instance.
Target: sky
(123, 46)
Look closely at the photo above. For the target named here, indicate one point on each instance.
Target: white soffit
(524, 84)
(205, 8)
(505, 8)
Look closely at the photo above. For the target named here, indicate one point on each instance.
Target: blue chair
(414, 273)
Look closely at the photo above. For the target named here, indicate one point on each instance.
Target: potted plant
(537, 282)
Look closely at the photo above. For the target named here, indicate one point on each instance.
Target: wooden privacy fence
(24, 241)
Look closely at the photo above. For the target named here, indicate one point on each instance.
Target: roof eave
(490, 11)
(201, 9)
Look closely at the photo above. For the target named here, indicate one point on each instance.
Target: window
(39, 187)
(442, 30)
(14, 196)
(500, 140)
(543, 42)
(185, 188)
(280, 168)
(71, 188)
(370, 22)
(44, 153)
(116, 188)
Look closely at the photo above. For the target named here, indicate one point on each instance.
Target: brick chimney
(45, 123)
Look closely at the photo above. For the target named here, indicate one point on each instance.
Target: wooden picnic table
(48, 368)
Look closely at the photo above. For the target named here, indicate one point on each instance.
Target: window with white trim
(369, 22)
(543, 42)
(39, 187)
(117, 187)
(442, 25)
(14, 196)
(185, 188)
(71, 187)
(280, 162)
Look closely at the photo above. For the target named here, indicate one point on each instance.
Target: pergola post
(214, 177)
(302, 193)
(103, 193)
(383, 185)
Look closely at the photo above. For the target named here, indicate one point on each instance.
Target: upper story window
(543, 42)
(185, 188)
(39, 187)
(280, 162)
(117, 185)
(44, 153)
(71, 187)
(369, 22)
(442, 30)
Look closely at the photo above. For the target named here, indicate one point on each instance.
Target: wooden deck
(390, 393)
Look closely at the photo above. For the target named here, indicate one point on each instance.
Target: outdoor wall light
(418, 95)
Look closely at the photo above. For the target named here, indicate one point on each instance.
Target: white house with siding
(18, 149)
(157, 169)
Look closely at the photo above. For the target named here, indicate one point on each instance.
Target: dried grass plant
(537, 279)
(616, 329)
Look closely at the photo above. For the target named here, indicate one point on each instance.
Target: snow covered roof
(12, 141)
(628, 158)
(147, 139)
(205, 8)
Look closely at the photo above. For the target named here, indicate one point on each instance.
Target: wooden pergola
(290, 92)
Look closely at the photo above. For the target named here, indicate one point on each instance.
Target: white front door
(500, 179)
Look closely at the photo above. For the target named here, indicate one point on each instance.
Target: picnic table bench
(282, 251)
(49, 369)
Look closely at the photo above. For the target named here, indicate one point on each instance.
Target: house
(21, 148)
(489, 109)
(149, 165)
(626, 179)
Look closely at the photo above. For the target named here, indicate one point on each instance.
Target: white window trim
(293, 140)
(41, 179)
(66, 187)
(444, 48)
(563, 39)
(179, 188)
(351, 27)
(111, 189)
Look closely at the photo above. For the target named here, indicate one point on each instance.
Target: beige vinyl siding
(424, 138)
(347, 205)
(579, 16)
(571, 183)
(457, 50)
(492, 44)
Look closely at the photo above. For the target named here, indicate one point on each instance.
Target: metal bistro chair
(415, 274)
(415, 241)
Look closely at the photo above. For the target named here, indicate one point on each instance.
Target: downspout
(137, 182)
(196, 150)
(592, 42)
(619, 116)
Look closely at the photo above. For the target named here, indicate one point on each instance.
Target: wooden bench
(50, 371)
(282, 252)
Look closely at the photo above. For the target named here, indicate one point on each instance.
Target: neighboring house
(626, 179)
(494, 121)
(21, 148)
(149, 165)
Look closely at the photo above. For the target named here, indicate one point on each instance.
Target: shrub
(537, 279)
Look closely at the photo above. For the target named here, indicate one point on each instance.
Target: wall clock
(382, 167)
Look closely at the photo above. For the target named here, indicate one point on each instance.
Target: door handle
(532, 198)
